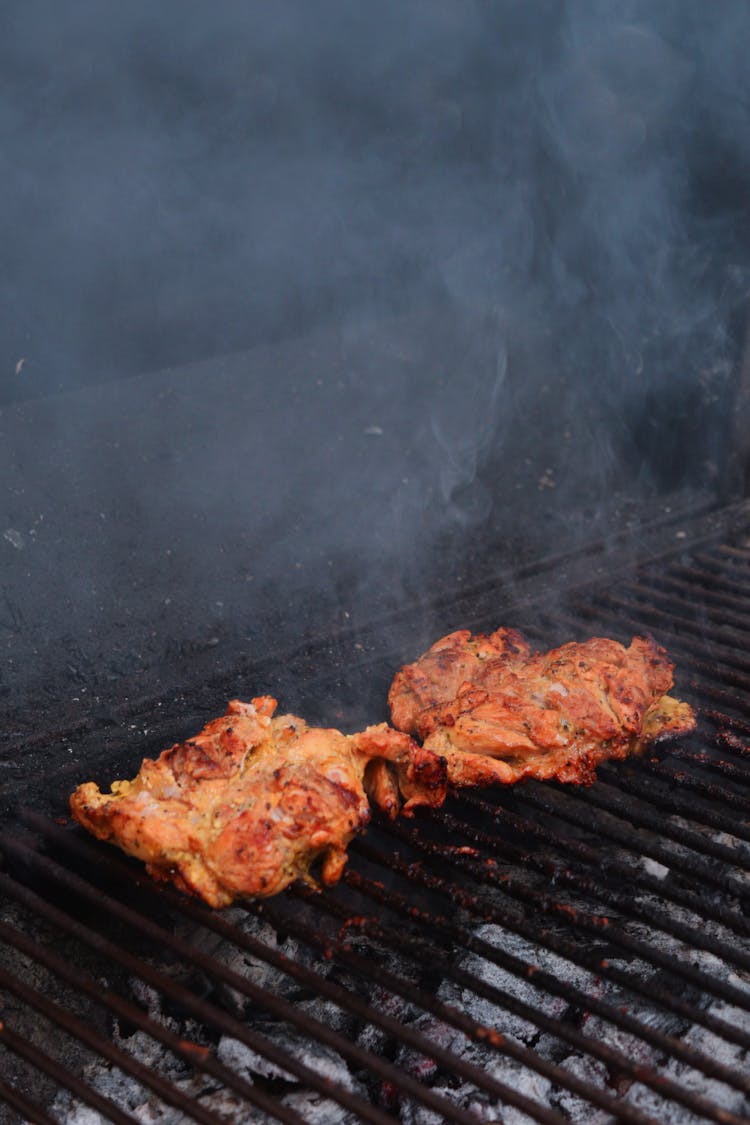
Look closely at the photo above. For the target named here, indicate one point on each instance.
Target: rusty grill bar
(608, 924)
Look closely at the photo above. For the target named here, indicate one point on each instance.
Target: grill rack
(656, 848)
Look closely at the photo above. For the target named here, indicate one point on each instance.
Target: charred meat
(251, 802)
(498, 712)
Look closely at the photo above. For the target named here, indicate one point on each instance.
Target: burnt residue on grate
(541, 953)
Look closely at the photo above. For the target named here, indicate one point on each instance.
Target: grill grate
(543, 953)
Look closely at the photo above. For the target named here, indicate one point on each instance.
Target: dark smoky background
(313, 310)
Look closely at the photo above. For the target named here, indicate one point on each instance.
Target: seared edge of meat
(414, 773)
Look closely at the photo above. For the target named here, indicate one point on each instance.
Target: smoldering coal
(510, 242)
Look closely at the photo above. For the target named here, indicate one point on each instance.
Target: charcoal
(580, 1111)
(636, 1005)
(410, 968)
(253, 969)
(720, 1051)
(373, 1038)
(224, 1105)
(312, 1105)
(328, 1013)
(421, 1065)
(523, 1081)
(124, 1092)
(483, 1056)
(489, 1014)
(233, 1110)
(315, 1109)
(634, 1050)
(324, 1061)
(653, 868)
(466, 1097)
(77, 1115)
(150, 999)
(130, 1095)
(668, 1113)
(484, 1106)
(152, 1054)
(674, 947)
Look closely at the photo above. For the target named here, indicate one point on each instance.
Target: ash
(549, 1053)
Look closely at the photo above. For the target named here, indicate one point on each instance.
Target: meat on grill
(498, 712)
(249, 804)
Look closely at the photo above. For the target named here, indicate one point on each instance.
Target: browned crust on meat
(498, 712)
(251, 802)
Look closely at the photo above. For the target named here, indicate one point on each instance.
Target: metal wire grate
(550, 952)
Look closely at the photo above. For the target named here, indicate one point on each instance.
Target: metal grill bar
(722, 720)
(310, 979)
(26, 1109)
(708, 984)
(704, 674)
(727, 769)
(619, 834)
(711, 557)
(585, 1001)
(705, 908)
(70, 1024)
(688, 864)
(426, 1046)
(683, 780)
(420, 951)
(395, 1028)
(668, 594)
(681, 591)
(116, 868)
(262, 998)
(623, 1062)
(202, 1010)
(62, 1076)
(658, 610)
(192, 908)
(706, 579)
(731, 554)
(664, 591)
(728, 742)
(651, 791)
(197, 1058)
(589, 885)
(598, 925)
(722, 695)
(606, 797)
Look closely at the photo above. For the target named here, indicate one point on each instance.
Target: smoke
(510, 242)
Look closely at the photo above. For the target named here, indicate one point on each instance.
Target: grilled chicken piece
(498, 712)
(248, 805)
